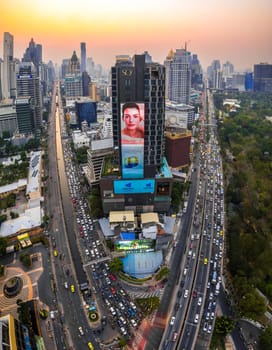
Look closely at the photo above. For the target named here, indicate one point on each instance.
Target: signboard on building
(134, 186)
(132, 139)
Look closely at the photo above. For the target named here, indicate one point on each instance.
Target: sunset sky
(236, 30)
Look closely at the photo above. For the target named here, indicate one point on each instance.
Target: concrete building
(8, 118)
(82, 57)
(179, 76)
(263, 77)
(138, 175)
(24, 114)
(28, 84)
(177, 148)
(8, 81)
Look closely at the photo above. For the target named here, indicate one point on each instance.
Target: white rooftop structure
(29, 220)
(33, 186)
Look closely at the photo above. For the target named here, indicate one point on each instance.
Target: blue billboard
(134, 186)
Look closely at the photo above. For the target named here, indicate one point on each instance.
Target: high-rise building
(33, 54)
(73, 78)
(196, 73)
(143, 182)
(249, 81)
(7, 66)
(263, 77)
(215, 75)
(28, 84)
(24, 115)
(179, 76)
(83, 57)
(8, 118)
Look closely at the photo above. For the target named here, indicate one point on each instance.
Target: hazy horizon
(238, 31)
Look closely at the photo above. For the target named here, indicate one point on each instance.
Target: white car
(172, 321)
(186, 293)
(80, 329)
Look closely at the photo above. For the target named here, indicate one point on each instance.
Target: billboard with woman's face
(132, 140)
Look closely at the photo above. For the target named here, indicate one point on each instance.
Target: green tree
(265, 340)
(25, 259)
(223, 325)
(116, 265)
(3, 245)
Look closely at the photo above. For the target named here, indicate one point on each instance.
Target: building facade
(143, 181)
(263, 77)
(24, 115)
(28, 84)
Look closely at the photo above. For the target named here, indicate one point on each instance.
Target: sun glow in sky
(236, 30)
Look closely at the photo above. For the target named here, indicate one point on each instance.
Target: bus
(214, 277)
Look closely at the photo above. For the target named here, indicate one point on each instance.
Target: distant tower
(82, 57)
(33, 54)
(179, 76)
(7, 65)
(28, 85)
(74, 65)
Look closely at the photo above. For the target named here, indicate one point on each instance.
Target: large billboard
(142, 245)
(134, 186)
(132, 140)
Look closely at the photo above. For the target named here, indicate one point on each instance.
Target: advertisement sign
(134, 186)
(132, 139)
(138, 244)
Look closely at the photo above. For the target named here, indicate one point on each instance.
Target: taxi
(205, 261)
(72, 288)
(90, 346)
(56, 252)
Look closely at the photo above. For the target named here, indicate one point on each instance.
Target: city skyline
(237, 31)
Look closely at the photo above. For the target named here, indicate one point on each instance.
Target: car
(80, 329)
(209, 328)
(90, 346)
(186, 293)
(123, 330)
(199, 301)
(179, 293)
(133, 322)
(56, 253)
(196, 318)
(66, 285)
(205, 328)
(172, 321)
(194, 294)
(175, 335)
(205, 261)
(52, 315)
(72, 288)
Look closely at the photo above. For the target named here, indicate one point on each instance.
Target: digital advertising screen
(138, 244)
(134, 186)
(132, 139)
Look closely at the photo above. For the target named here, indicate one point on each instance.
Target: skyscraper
(138, 117)
(28, 84)
(179, 76)
(33, 54)
(263, 77)
(7, 66)
(82, 57)
(215, 75)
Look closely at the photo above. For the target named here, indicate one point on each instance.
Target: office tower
(196, 73)
(215, 75)
(24, 113)
(82, 57)
(7, 75)
(90, 66)
(64, 67)
(263, 77)
(74, 65)
(179, 76)
(227, 69)
(143, 182)
(28, 84)
(14, 335)
(73, 78)
(249, 81)
(167, 64)
(86, 81)
(33, 54)
(8, 118)
(86, 111)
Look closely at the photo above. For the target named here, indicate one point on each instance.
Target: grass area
(133, 280)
